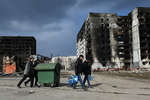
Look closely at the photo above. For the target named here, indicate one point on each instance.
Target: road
(104, 87)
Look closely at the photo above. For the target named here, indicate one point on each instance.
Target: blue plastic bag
(70, 81)
(90, 78)
(73, 80)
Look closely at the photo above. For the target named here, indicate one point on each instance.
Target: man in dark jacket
(86, 71)
(78, 69)
(28, 72)
(35, 63)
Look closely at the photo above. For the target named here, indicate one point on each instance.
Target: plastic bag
(90, 78)
(73, 80)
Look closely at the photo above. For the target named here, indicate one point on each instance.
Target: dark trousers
(86, 78)
(24, 78)
(34, 76)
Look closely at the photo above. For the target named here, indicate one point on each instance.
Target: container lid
(44, 66)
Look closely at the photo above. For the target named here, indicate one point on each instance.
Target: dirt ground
(104, 87)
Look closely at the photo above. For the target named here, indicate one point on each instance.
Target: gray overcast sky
(55, 23)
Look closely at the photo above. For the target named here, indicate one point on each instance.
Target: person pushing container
(35, 75)
(28, 72)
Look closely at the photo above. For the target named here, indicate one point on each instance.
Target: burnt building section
(97, 40)
(123, 37)
(113, 41)
(19, 47)
(84, 42)
(101, 33)
(141, 36)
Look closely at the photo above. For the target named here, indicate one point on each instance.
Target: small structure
(21, 47)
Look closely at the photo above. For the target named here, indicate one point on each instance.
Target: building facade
(18, 46)
(141, 36)
(112, 41)
(66, 61)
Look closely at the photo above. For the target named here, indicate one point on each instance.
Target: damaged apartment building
(16, 48)
(112, 41)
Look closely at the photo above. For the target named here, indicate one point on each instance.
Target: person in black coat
(35, 63)
(28, 72)
(86, 72)
(79, 65)
(78, 69)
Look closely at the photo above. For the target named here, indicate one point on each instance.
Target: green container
(49, 73)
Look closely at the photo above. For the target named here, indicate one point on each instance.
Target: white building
(66, 61)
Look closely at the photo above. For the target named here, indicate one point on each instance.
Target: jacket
(78, 66)
(86, 68)
(28, 68)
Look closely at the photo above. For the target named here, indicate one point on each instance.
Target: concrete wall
(136, 39)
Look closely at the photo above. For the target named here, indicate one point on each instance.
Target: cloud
(36, 12)
(43, 19)
(61, 42)
(110, 6)
(56, 23)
